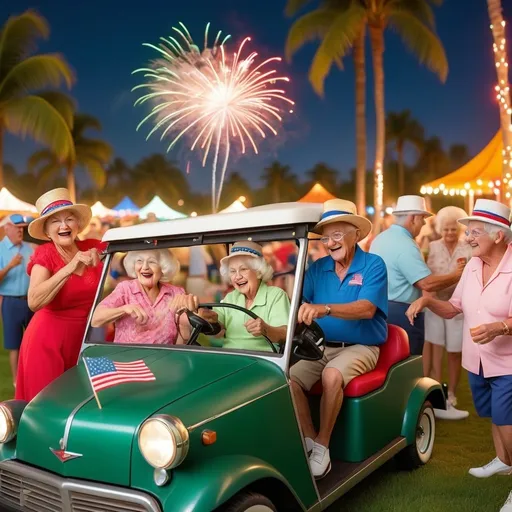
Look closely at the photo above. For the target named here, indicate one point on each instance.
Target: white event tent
(160, 209)
(236, 206)
(10, 203)
(101, 211)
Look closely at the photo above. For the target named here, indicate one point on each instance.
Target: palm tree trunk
(401, 170)
(360, 72)
(500, 57)
(377, 42)
(2, 184)
(71, 183)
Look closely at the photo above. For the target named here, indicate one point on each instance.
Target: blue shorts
(416, 332)
(492, 397)
(15, 317)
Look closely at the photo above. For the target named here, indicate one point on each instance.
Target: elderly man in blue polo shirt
(408, 274)
(346, 293)
(14, 281)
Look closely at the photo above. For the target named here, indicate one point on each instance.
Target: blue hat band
(247, 250)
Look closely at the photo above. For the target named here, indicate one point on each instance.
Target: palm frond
(37, 72)
(47, 172)
(294, 6)
(422, 42)
(85, 122)
(33, 116)
(37, 159)
(419, 8)
(95, 170)
(63, 103)
(309, 27)
(335, 45)
(18, 38)
(95, 148)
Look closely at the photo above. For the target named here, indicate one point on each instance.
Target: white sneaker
(451, 412)
(320, 461)
(495, 467)
(309, 444)
(507, 506)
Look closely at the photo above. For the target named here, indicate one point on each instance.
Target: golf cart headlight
(7, 424)
(163, 441)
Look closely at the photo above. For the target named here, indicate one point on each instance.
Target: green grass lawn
(442, 485)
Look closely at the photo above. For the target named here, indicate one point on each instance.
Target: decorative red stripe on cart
(55, 205)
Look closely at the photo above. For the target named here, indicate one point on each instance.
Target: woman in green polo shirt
(248, 272)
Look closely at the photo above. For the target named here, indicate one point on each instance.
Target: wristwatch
(327, 310)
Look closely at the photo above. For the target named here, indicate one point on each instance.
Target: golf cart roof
(267, 216)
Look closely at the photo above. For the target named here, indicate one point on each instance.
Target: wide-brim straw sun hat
(341, 210)
(56, 201)
(411, 205)
(245, 248)
(490, 212)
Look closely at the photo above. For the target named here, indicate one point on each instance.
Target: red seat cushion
(394, 350)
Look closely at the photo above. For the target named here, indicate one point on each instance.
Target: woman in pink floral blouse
(143, 308)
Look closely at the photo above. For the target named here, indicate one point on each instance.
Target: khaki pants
(351, 361)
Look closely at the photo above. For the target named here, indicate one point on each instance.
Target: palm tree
(26, 108)
(325, 175)
(500, 59)
(234, 187)
(459, 155)
(339, 23)
(155, 174)
(402, 129)
(319, 24)
(433, 162)
(91, 154)
(279, 180)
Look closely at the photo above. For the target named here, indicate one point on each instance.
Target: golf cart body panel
(66, 449)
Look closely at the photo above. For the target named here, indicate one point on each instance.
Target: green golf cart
(217, 429)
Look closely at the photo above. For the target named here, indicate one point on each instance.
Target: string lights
(496, 186)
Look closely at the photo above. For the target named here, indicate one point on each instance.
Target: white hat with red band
(490, 212)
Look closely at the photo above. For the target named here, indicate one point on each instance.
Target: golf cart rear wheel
(419, 453)
(249, 502)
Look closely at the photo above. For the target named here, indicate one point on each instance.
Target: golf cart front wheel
(419, 453)
(249, 502)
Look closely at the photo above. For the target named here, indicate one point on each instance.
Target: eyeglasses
(16, 219)
(473, 233)
(243, 271)
(335, 237)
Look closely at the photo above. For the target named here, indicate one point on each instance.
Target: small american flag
(105, 373)
(357, 280)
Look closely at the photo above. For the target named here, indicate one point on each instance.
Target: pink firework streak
(214, 98)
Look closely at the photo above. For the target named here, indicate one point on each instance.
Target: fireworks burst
(216, 99)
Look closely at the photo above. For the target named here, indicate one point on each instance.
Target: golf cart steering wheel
(197, 320)
(309, 342)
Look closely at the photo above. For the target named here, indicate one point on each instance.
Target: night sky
(103, 42)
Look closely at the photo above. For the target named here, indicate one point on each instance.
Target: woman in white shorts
(443, 334)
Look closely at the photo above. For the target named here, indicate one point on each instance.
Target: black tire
(420, 452)
(246, 501)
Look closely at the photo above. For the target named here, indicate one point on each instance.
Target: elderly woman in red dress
(64, 275)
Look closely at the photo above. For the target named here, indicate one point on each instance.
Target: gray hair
(401, 219)
(448, 214)
(492, 230)
(169, 265)
(263, 270)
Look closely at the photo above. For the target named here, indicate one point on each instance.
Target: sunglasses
(16, 219)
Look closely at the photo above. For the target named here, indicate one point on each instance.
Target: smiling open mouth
(64, 233)
(147, 275)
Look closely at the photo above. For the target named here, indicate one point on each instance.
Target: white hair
(263, 270)
(493, 231)
(169, 265)
(401, 219)
(448, 214)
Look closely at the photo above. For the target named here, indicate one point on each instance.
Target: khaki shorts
(350, 361)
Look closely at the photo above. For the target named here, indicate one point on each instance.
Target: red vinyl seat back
(394, 350)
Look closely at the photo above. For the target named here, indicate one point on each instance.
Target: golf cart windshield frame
(299, 233)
